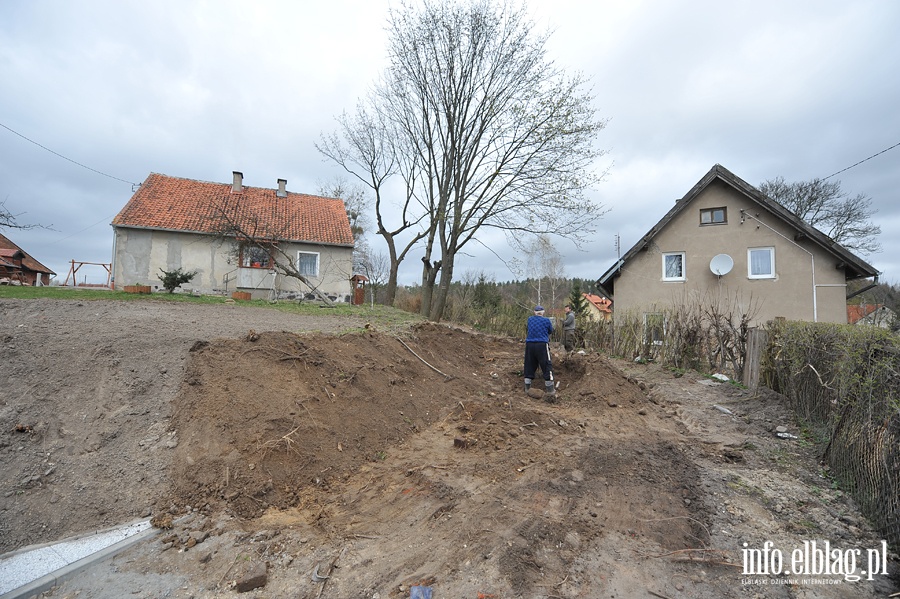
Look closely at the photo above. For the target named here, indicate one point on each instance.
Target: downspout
(812, 258)
(112, 266)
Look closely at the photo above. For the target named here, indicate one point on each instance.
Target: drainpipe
(812, 258)
(112, 266)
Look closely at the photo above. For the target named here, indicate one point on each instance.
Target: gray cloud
(196, 89)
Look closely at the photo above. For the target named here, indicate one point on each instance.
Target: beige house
(237, 238)
(726, 242)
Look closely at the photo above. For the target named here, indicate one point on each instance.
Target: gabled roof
(8, 250)
(855, 267)
(175, 204)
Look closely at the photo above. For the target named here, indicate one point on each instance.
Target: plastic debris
(724, 410)
(419, 592)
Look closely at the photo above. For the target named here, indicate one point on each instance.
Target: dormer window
(714, 216)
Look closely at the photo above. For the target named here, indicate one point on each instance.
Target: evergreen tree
(486, 293)
(577, 301)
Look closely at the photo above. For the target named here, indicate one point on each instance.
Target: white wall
(139, 254)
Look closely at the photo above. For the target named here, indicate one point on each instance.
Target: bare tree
(491, 132)
(8, 220)
(354, 198)
(367, 149)
(822, 204)
(545, 267)
(240, 226)
(376, 268)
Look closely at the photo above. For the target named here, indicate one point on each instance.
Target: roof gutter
(864, 289)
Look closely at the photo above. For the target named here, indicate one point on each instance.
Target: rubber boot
(549, 392)
(527, 385)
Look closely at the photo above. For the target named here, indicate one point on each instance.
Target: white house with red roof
(237, 238)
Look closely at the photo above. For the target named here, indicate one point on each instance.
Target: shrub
(175, 278)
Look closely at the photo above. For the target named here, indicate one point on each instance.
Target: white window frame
(300, 270)
(769, 275)
(683, 266)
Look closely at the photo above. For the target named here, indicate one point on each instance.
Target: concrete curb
(59, 575)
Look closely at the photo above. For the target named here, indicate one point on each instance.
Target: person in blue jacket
(537, 351)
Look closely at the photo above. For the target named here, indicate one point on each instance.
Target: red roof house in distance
(17, 267)
(599, 307)
(236, 237)
(877, 315)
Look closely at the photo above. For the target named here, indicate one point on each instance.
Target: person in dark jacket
(537, 351)
(569, 329)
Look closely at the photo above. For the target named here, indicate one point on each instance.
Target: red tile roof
(856, 312)
(175, 204)
(8, 249)
(601, 303)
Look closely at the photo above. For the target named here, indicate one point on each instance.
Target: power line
(69, 159)
(861, 161)
(107, 219)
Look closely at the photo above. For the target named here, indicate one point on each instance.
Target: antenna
(721, 264)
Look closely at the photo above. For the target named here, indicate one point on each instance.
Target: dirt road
(361, 464)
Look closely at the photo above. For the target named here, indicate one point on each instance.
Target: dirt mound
(360, 464)
(289, 415)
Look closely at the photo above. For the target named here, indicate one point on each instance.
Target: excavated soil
(329, 457)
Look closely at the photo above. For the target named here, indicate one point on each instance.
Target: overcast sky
(198, 89)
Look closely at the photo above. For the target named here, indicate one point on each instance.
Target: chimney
(282, 192)
(238, 185)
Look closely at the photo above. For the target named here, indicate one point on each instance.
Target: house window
(654, 328)
(254, 256)
(713, 216)
(673, 266)
(308, 264)
(761, 263)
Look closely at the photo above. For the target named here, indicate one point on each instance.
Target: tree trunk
(429, 275)
(440, 299)
(390, 290)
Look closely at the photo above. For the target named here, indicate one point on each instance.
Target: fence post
(756, 345)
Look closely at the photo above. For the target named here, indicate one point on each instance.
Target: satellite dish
(721, 264)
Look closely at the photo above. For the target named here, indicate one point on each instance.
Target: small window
(673, 266)
(308, 264)
(761, 263)
(254, 256)
(713, 216)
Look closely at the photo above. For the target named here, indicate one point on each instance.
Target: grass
(385, 316)
(807, 525)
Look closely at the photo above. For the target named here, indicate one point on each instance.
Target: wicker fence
(844, 383)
